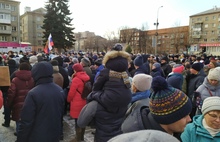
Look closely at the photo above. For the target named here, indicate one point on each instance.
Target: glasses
(214, 116)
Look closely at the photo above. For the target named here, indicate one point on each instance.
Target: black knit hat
(197, 66)
(168, 104)
(138, 61)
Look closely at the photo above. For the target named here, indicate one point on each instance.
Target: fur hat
(197, 66)
(86, 62)
(168, 104)
(210, 103)
(77, 67)
(178, 68)
(33, 59)
(138, 61)
(142, 82)
(144, 136)
(214, 74)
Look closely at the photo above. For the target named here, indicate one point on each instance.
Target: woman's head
(214, 76)
(211, 111)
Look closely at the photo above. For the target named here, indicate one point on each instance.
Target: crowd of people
(134, 96)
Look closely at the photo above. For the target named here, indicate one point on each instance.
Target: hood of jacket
(42, 72)
(116, 60)
(23, 74)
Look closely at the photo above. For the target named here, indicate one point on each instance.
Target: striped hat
(168, 104)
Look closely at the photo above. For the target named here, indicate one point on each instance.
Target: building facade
(10, 26)
(169, 40)
(31, 31)
(204, 32)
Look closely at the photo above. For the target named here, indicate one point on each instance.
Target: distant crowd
(175, 95)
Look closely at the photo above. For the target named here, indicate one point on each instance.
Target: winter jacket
(142, 69)
(195, 132)
(194, 82)
(166, 68)
(98, 70)
(175, 80)
(20, 85)
(112, 93)
(42, 112)
(138, 117)
(57, 77)
(74, 95)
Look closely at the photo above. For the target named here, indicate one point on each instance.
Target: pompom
(159, 83)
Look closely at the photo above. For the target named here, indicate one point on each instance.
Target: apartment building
(31, 31)
(9, 26)
(204, 32)
(169, 40)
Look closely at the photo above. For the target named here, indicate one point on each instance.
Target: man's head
(169, 107)
(138, 61)
(195, 68)
(85, 62)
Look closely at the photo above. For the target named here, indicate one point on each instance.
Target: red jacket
(20, 85)
(74, 95)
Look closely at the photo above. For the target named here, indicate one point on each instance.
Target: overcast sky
(103, 16)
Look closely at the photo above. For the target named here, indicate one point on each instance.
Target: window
(213, 32)
(39, 42)
(2, 27)
(206, 25)
(38, 26)
(3, 38)
(13, 18)
(38, 34)
(205, 39)
(214, 17)
(38, 19)
(213, 24)
(14, 29)
(207, 18)
(212, 39)
(13, 8)
(192, 20)
(14, 38)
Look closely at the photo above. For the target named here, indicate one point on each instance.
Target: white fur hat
(214, 74)
(211, 103)
(142, 82)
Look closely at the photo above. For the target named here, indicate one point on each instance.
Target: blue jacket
(175, 80)
(195, 132)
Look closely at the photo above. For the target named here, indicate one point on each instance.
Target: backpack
(87, 89)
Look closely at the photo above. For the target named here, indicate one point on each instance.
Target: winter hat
(214, 74)
(164, 58)
(98, 62)
(77, 67)
(213, 62)
(86, 62)
(157, 65)
(197, 66)
(138, 61)
(142, 82)
(33, 59)
(144, 136)
(168, 104)
(178, 68)
(117, 47)
(210, 103)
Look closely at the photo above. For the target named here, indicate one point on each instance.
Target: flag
(48, 45)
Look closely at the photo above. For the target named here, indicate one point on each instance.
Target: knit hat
(98, 62)
(178, 68)
(211, 103)
(138, 61)
(33, 60)
(77, 67)
(214, 74)
(144, 136)
(142, 82)
(168, 104)
(86, 62)
(164, 58)
(197, 66)
(157, 65)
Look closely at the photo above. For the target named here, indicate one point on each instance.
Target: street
(7, 134)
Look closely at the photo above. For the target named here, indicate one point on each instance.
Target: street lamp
(156, 34)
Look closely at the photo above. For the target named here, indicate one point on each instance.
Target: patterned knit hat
(167, 104)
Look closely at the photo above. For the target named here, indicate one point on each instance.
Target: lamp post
(156, 34)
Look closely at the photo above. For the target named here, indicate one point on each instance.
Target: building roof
(210, 11)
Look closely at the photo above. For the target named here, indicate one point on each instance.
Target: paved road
(7, 134)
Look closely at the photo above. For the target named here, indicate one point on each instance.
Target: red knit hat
(178, 69)
(77, 67)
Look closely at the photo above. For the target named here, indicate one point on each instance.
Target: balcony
(197, 29)
(5, 21)
(5, 32)
(196, 36)
(8, 11)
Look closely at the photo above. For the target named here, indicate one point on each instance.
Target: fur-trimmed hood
(116, 60)
(114, 54)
